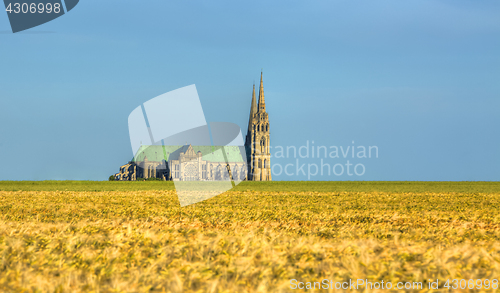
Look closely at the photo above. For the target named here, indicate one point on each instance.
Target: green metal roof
(159, 153)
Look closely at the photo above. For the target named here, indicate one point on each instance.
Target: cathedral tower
(257, 139)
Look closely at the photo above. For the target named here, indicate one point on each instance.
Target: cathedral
(208, 163)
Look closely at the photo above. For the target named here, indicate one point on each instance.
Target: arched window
(218, 174)
(263, 145)
(260, 163)
(234, 172)
(267, 127)
(265, 163)
(243, 172)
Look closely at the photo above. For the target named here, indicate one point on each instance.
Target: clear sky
(418, 79)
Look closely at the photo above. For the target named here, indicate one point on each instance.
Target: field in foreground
(270, 186)
(245, 241)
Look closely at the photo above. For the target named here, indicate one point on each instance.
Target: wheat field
(244, 241)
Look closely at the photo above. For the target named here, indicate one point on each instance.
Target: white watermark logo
(171, 140)
(325, 160)
(360, 284)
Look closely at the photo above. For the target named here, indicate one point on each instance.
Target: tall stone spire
(253, 109)
(257, 144)
(262, 102)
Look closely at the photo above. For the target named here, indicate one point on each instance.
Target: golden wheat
(142, 241)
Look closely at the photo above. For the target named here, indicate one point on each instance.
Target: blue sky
(417, 79)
